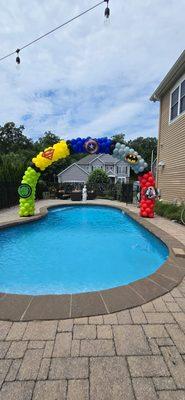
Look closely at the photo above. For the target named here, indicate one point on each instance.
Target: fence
(8, 194)
(120, 191)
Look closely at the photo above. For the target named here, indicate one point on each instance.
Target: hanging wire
(53, 30)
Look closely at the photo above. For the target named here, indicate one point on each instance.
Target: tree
(119, 138)
(144, 146)
(12, 168)
(12, 139)
(47, 140)
(98, 180)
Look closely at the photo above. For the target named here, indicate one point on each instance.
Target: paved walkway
(137, 354)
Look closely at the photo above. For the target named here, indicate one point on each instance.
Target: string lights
(18, 60)
(107, 10)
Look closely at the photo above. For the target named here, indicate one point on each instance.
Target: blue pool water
(77, 249)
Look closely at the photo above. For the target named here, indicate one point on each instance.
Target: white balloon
(118, 145)
(126, 150)
(131, 151)
(121, 152)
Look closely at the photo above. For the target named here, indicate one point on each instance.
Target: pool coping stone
(15, 307)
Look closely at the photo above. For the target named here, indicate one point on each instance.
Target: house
(80, 171)
(171, 144)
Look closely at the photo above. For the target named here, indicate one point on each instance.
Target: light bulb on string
(107, 13)
(18, 60)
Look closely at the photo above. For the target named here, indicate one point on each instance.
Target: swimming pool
(77, 249)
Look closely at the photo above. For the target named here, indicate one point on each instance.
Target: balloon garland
(148, 194)
(88, 146)
(32, 174)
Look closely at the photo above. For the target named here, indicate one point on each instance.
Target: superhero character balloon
(148, 195)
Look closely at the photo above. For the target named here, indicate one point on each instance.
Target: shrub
(169, 210)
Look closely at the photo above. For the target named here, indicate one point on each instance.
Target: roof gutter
(171, 77)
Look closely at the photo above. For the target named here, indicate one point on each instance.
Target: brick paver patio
(136, 354)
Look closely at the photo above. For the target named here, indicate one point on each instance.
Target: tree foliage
(16, 152)
(97, 180)
(12, 139)
(47, 140)
(119, 138)
(12, 168)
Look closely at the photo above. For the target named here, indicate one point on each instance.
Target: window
(97, 167)
(174, 103)
(109, 168)
(182, 97)
(121, 169)
(177, 106)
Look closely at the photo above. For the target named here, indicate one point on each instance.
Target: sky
(92, 78)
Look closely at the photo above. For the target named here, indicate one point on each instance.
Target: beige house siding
(171, 150)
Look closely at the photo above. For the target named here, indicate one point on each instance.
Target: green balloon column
(27, 192)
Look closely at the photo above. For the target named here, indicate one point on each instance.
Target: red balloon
(148, 210)
(151, 215)
(148, 184)
(144, 214)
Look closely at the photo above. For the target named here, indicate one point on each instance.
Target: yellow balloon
(51, 154)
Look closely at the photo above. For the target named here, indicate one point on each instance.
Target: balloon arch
(88, 146)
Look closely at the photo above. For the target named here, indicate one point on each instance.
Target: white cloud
(100, 76)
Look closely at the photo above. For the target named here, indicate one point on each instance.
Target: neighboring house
(171, 144)
(80, 171)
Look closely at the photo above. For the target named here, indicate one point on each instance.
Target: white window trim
(178, 84)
